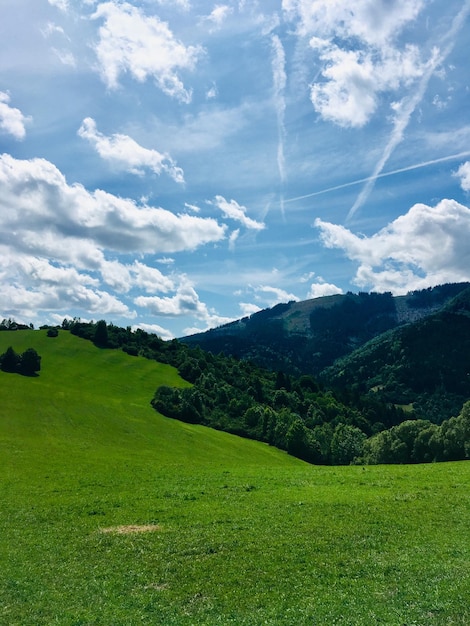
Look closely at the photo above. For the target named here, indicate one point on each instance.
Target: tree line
(294, 413)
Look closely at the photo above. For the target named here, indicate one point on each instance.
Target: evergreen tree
(10, 360)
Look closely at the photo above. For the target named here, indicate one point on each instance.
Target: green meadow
(113, 515)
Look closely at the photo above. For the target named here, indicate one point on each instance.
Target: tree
(30, 362)
(10, 360)
(346, 444)
(101, 334)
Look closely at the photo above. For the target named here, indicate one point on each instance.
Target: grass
(233, 531)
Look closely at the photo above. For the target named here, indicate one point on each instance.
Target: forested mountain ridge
(307, 337)
(425, 364)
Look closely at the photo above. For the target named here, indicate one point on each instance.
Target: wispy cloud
(217, 16)
(406, 108)
(401, 170)
(280, 80)
(236, 212)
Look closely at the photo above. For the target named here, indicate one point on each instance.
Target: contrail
(409, 168)
(402, 122)
(280, 80)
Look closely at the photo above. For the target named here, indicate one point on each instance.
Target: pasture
(112, 515)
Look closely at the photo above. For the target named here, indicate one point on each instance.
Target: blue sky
(176, 164)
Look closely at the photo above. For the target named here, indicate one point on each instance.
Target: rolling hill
(113, 514)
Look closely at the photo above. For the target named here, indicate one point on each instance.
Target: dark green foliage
(425, 364)
(298, 414)
(420, 441)
(10, 360)
(101, 334)
(30, 362)
(27, 363)
(10, 324)
(53, 332)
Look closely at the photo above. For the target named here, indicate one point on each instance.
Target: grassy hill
(111, 514)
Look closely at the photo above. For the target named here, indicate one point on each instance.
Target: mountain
(307, 337)
(424, 364)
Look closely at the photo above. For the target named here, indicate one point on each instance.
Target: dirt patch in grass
(131, 528)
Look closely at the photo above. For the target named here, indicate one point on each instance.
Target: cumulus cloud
(12, 121)
(57, 240)
(274, 295)
(355, 79)
(155, 329)
(32, 285)
(36, 197)
(184, 301)
(322, 288)
(236, 212)
(143, 46)
(353, 76)
(248, 308)
(127, 154)
(464, 174)
(426, 246)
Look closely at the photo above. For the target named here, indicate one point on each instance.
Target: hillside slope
(426, 363)
(93, 405)
(306, 337)
(112, 514)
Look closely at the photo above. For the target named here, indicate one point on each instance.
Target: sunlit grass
(233, 531)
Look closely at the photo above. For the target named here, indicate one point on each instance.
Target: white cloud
(355, 79)
(56, 240)
(249, 308)
(144, 46)
(426, 246)
(464, 174)
(375, 22)
(357, 46)
(274, 295)
(233, 238)
(12, 121)
(183, 4)
(185, 301)
(218, 16)
(62, 5)
(31, 286)
(38, 201)
(236, 212)
(280, 81)
(151, 279)
(155, 329)
(65, 57)
(320, 289)
(125, 153)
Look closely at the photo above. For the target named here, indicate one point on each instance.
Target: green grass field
(112, 515)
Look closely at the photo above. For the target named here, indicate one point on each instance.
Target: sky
(173, 165)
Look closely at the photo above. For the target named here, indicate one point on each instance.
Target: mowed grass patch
(112, 514)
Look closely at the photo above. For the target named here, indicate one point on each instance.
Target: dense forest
(307, 337)
(318, 420)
